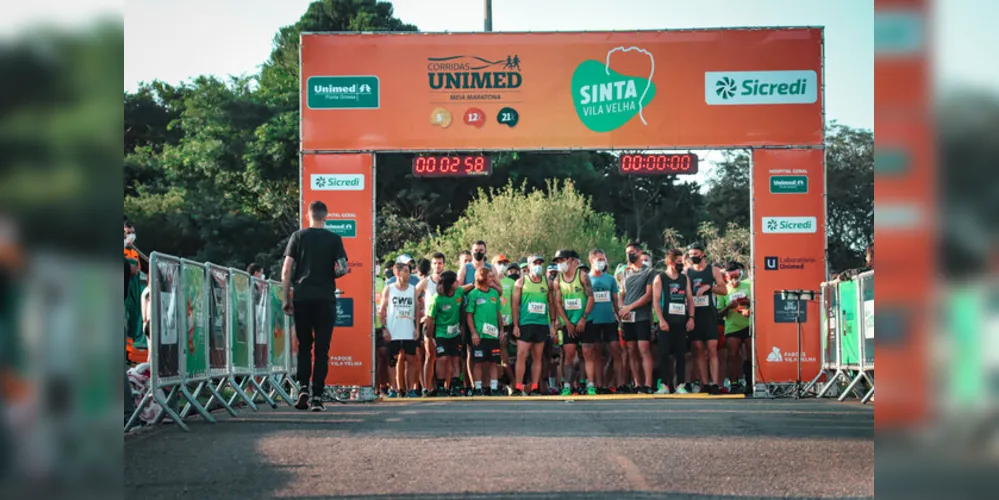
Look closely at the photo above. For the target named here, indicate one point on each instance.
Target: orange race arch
(759, 89)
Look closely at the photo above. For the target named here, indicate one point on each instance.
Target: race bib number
(488, 329)
(452, 330)
(629, 318)
(537, 307)
(601, 296)
(679, 309)
(732, 297)
(701, 301)
(573, 304)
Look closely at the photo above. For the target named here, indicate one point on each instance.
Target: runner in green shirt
(573, 302)
(443, 320)
(533, 320)
(485, 324)
(736, 308)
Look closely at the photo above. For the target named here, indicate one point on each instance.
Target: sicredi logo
(726, 88)
(789, 225)
(337, 182)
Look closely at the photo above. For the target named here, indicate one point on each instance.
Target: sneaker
(591, 391)
(455, 392)
(712, 390)
(412, 394)
(695, 388)
(488, 391)
(722, 390)
(476, 392)
(303, 401)
(534, 392)
(392, 393)
(727, 385)
(317, 405)
(663, 390)
(680, 389)
(425, 393)
(566, 392)
(647, 390)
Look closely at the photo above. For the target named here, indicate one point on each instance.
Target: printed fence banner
(850, 331)
(240, 320)
(261, 324)
(218, 313)
(279, 334)
(166, 298)
(195, 295)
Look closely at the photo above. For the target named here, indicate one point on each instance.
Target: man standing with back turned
(314, 259)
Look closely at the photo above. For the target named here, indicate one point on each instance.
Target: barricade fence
(847, 322)
(220, 331)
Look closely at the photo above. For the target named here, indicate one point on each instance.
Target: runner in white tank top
(400, 315)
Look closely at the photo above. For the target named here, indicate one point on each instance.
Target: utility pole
(488, 14)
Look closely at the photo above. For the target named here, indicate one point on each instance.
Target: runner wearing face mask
(443, 320)
(485, 322)
(601, 328)
(573, 302)
(534, 322)
(674, 307)
(508, 344)
(706, 281)
(636, 317)
(466, 277)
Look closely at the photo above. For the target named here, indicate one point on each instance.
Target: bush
(517, 223)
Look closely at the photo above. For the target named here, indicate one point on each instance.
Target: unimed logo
(760, 87)
(789, 225)
(337, 182)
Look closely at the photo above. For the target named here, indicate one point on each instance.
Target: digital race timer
(452, 166)
(649, 163)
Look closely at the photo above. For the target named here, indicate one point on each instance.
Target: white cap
(404, 259)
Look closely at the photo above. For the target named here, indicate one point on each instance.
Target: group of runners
(568, 327)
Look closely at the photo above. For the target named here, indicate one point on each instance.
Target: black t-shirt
(315, 252)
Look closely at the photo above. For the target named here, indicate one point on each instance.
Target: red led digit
(480, 163)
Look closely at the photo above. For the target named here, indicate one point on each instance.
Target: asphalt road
(522, 449)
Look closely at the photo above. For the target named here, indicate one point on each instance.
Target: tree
(519, 222)
(727, 199)
(720, 247)
(849, 194)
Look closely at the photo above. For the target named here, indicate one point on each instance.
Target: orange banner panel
(345, 183)
(534, 91)
(789, 225)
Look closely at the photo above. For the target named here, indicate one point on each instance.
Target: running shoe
(455, 392)
(425, 393)
(303, 401)
(680, 389)
(727, 385)
(647, 390)
(476, 392)
(487, 391)
(695, 388)
(566, 392)
(535, 392)
(392, 393)
(663, 390)
(317, 405)
(591, 391)
(412, 394)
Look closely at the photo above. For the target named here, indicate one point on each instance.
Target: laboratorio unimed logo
(606, 99)
(728, 88)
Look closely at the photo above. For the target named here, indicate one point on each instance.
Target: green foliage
(518, 222)
(720, 247)
(850, 195)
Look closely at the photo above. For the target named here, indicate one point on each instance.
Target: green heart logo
(605, 100)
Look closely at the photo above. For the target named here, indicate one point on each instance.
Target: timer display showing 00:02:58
(452, 166)
(658, 163)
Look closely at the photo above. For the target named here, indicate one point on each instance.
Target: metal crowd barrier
(847, 321)
(237, 336)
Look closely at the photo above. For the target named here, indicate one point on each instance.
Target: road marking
(631, 473)
(393, 420)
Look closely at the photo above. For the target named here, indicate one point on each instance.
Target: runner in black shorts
(674, 308)
(534, 320)
(705, 281)
(636, 317)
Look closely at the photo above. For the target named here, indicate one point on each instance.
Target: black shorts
(407, 346)
(447, 346)
(637, 331)
(534, 333)
(743, 334)
(705, 327)
(597, 334)
(380, 338)
(566, 339)
(488, 351)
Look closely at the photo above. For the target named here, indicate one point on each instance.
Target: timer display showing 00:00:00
(452, 166)
(648, 163)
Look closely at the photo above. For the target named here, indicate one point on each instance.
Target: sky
(178, 40)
